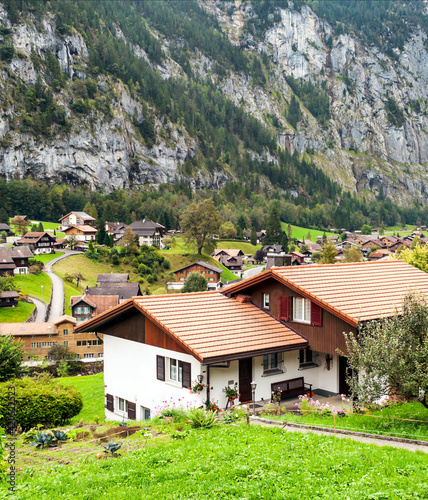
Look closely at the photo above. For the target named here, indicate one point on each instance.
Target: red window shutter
(187, 377)
(316, 315)
(160, 367)
(284, 307)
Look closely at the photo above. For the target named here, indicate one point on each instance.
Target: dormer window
(266, 301)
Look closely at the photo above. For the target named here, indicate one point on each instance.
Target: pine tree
(4, 218)
(273, 228)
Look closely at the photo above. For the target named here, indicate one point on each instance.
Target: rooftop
(202, 323)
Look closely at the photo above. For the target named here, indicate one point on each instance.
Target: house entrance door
(245, 378)
(343, 385)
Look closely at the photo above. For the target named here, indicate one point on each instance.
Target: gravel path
(41, 310)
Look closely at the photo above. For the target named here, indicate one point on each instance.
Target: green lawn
(409, 420)
(17, 314)
(47, 257)
(31, 284)
(245, 246)
(92, 389)
(232, 462)
(302, 232)
(47, 226)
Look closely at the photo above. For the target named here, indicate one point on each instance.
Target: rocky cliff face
(360, 146)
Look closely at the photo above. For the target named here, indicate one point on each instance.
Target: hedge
(38, 402)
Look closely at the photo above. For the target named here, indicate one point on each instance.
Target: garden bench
(292, 387)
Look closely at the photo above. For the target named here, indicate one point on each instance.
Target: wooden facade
(326, 338)
(209, 274)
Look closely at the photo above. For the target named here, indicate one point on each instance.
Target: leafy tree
(260, 255)
(416, 242)
(91, 210)
(72, 240)
(21, 225)
(366, 229)
(3, 236)
(391, 354)
(227, 230)
(328, 253)
(128, 241)
(195, 282)
(201, 223)
(417, 256)
(289, 232)
(11, 356)
(7, 283)
(61, 352)
(352, 253)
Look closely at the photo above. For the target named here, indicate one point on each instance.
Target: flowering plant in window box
(197, 387)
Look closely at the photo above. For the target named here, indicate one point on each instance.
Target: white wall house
(282, 326)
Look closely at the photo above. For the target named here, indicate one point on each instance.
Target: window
(301, 310)
(32, 336)
(49, 336)
(39, 344)
(144, 413)
(100, 355)
(79, 343)
(307, 359)
(65, 343)
(265, 301)
(176, 370)
(65, 332)
(49, 344)
(33, 345)
(43, 344)
(100, 342)
(123, 404)
(88, 355)
(272, 364)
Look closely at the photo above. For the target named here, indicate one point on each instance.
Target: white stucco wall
(130, 373)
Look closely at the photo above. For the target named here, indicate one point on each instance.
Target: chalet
(260, 235)
(273, 249)
(112, 278)
(149, 233)
(299, 257)
(77, 219)
(210, 272)
(39, 338)
(81, 233)
(6, 228)
(117, 229)
(400, 244)
(38, 242)
(281, 327)
(380, 253)
(86, 307)
(9, 298)
(14, 260)
(228, 252)
(232, 263)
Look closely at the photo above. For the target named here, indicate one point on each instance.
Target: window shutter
(132, 414)
(187, 379)
(109, 402)
(160, 367)
(316, 315)
(284, 307)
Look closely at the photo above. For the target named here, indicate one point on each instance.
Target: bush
(39, 402)
(199, 418)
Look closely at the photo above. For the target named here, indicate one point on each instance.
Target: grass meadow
(31, 284)
(18, 314)
(229, 462)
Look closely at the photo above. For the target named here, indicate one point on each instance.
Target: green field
(47, 226)
(245, 246)
(17, 314)
(31, 284)
(92, 389)
(302, 232)
(228, 462)
(47, 257)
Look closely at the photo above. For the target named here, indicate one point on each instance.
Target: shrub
(39, 402)
(199, 418)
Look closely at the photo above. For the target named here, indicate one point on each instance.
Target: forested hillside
(185, 97)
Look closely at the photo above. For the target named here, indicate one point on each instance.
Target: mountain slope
(125, 94)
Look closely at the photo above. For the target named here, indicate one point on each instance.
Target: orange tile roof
(28, 329)
(209, 325)
(355, 292)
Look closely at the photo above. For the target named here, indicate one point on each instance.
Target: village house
(210, 272)
(123, 291)
(108, 278)
(39, 338)
(88, 306)
(149, 233)
(38, 242)
(77, 219)
(6, 228)
(14, 260)
(232, 263)
(280, 328)
(83, 234)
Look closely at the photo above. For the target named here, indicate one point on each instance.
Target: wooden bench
(292, 387)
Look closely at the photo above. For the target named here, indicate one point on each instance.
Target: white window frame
(301, 310)
(266, 301)
(175, 370)
(122, 405)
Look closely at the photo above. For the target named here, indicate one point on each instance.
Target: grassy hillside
(302, 232)
(31, 284)
(231, 462)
